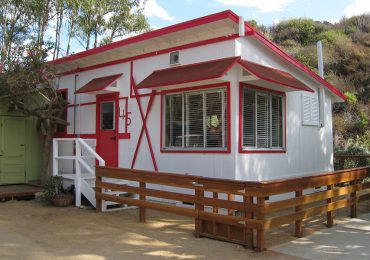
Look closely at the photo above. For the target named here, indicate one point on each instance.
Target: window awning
(188, 73)
(100, 85)
(216, 69)
(273, 75)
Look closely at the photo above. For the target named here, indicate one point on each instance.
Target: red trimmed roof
(274, 47)
(228, 14)
(145, 36)
(98, 84)
(215, 69)
(274, 75)
(188, 73)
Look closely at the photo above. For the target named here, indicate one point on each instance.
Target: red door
(107, 128)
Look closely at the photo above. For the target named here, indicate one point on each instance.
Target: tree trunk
(44, 24)
(88, 41)
(47, 156)
(70, 33)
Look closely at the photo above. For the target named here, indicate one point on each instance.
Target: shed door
(12, 150)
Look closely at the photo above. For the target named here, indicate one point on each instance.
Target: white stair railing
(81, 185)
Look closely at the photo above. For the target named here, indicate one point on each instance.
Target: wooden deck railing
(237, 211)
(341, 158)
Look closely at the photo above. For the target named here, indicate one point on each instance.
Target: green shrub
(332, 36)
(364, 120)
(301, 30)
(351, 98)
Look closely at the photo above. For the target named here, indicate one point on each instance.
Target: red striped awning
(188, 73)
(98, 84)
(217, 68)
(274, 75)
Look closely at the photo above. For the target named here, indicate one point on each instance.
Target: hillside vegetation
(346, 50)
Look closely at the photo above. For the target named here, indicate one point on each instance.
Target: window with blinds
(262, 116)
(196, 119)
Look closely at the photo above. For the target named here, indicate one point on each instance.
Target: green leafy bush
(351, 98)
(332, 36)
(53, 187)
(301, 30)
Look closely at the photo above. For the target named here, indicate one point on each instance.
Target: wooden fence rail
(236, 211)
(341, 158)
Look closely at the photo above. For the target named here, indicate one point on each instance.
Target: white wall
(309, 149)
(206, 164)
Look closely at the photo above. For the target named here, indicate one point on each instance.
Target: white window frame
(269, 94)
(185, 141)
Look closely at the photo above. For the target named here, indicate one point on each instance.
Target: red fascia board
(228, 14)
(277, 76)
(274, 47)
(188, 73)
(150, 54)
(98, 84)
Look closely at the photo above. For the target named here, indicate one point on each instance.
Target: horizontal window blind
(196, 119)
(262, 119)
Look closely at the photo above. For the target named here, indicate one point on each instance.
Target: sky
(162, 13)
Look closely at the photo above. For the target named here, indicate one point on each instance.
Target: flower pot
(62, 200)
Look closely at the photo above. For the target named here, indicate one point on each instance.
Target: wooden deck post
(261, 243)
(353, 195)
(142, 208)
(329, 214)
(215, 210)
(230, 197)
(298, 223)
(198, 207)
(248, 232)
(98, 207)
(215, 196)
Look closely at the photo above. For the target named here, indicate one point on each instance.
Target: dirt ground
(32, 230)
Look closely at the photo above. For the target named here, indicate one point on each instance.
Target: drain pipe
(241, 27)
(321, 92)
(75, 104)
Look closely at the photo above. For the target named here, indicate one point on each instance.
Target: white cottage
(211, 96)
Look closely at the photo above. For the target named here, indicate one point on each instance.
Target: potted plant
(55, 193)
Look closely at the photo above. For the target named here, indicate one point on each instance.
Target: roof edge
(151, 34)
(274, 47)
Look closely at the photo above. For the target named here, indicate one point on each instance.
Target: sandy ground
(32, 230)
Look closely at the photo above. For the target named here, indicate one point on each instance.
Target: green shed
(20, 147)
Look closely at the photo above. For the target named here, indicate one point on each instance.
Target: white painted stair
(83, 173)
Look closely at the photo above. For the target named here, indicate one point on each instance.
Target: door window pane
(107, 115)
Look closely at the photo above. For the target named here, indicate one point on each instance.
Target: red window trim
(228, 118)
(240, 141)
(63, 91)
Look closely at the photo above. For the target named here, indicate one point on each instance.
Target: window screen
(196, 120)
(262, 119)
